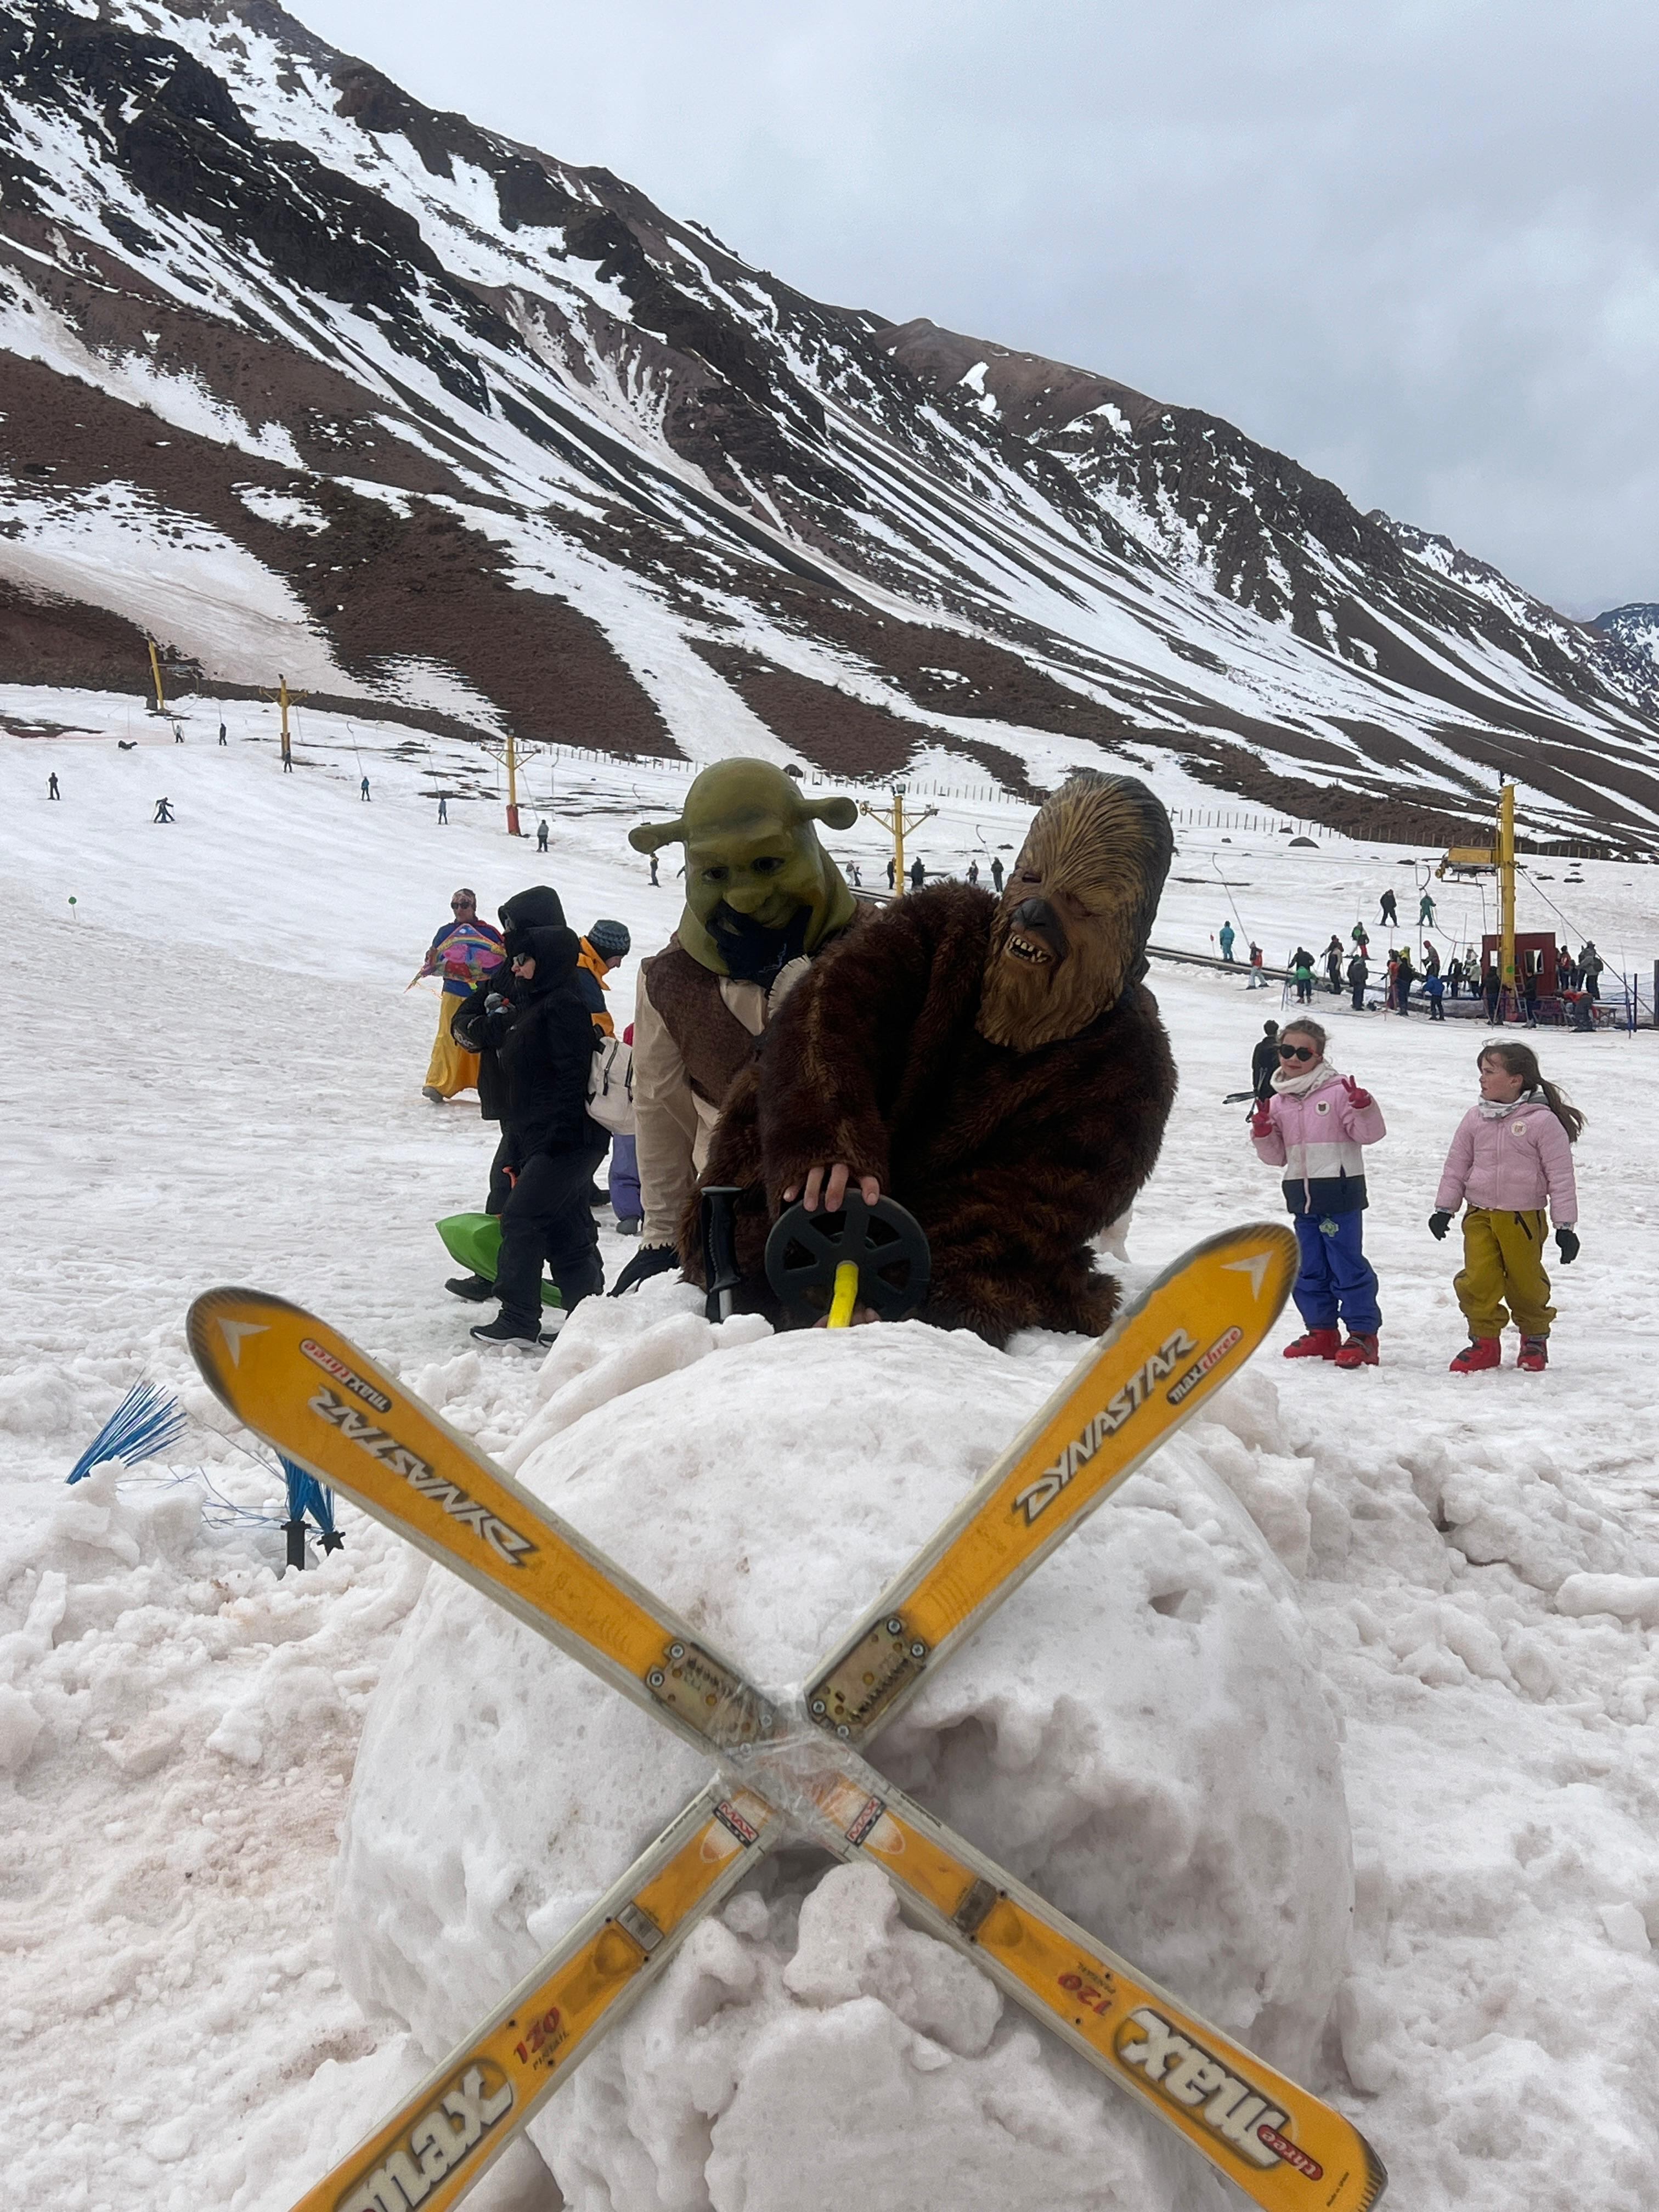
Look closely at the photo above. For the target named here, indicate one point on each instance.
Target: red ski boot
(1317, 1344)
(1484, 1351)
(1359, 1351)
(1535, 1355)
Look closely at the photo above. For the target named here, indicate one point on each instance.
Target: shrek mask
(1069, 936)
(759, 887)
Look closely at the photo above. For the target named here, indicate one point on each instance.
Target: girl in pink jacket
(1512, 1151)
(1313, 1126)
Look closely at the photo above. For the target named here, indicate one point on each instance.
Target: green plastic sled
(475, 1239)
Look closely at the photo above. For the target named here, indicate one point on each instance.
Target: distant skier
(852, 871)
(163, 812)
(1258, 981)
(1333, 965)
(892, 874)
(288, 763)
(363, 789)
(1431, 959)
(443, 807)
(1590, 964)
(1454, 975)
(541, 835)
(177, 733)
(1434, 990)
(1492, 990)
(918, 876)
(653, 867)
(52, 786)
(1314, 1127)
(996, 875)
(1404, 977)
(223, 740)
(972, 872)
(1390, 913)
(1358, 976)
(1303, 968)
(1359, 936)
(1425, 912)
(1227, 942)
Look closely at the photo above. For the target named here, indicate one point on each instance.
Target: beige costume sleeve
(666, 1121)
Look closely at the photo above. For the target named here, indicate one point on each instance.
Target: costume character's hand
(1567, 1243)
(834, 1190)
(1439, 1222)
(1356, 1096)
(650, 1260)
(495, 1004)
(1261, 1120)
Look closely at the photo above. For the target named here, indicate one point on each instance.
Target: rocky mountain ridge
(296, 372)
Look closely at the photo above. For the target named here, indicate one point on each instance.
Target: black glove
(1439, 1224)
(650, 1260)
(1567, 1243)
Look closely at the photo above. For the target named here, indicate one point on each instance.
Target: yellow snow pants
(450, 1069)
(1503, 1260)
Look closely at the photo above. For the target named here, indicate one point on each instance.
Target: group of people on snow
(984, 1058)
(992, 1062)
(1510, 1158)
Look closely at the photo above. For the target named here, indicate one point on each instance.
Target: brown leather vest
(713, 1042)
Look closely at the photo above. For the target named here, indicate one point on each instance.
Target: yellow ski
(1191, 1329)
(316, 1396)
(292, 1379)
(463, 2116)
(1285, 2147)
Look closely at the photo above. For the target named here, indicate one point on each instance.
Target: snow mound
(1141, 1733)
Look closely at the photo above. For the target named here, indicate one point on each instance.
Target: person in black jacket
(1264, 1061)
(539, 908)
(542, 1038)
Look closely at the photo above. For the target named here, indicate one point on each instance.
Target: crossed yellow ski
(467, 2110)
(332, 1409)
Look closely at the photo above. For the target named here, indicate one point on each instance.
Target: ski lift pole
(894, 823)
(285, 699)
(1506, 898)
(513, 829)
(155, 675)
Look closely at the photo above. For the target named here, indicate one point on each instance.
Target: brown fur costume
(1012, 1155)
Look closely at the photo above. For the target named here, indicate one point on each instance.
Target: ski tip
(219, 1322)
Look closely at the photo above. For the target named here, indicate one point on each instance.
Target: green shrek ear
(835, 813)
(650, 835)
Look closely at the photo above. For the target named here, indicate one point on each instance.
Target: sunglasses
(1296, 1052)
(461, 906)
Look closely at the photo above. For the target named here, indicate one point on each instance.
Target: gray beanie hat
(610, 940)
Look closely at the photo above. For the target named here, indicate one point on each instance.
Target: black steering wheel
(887, 1245)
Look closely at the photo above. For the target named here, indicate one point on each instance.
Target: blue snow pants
(1335, 1279)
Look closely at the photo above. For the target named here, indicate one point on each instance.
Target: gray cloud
(1416, 244)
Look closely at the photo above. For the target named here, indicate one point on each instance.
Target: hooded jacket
(539, 908)
(543, 1042)
(1315, 1136)
(1510, 1163)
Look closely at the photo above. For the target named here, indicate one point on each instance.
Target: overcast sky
(1414, 243)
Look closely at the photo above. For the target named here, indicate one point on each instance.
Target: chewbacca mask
(1070, 934)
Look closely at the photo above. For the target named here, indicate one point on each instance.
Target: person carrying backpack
(1512, 1151)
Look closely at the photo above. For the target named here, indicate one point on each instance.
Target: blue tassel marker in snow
(146, 1422)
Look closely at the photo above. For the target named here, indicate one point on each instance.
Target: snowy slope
(218, 1080)
(296, 373)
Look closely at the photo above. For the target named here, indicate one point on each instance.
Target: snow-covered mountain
(299, 374)
(1633, 631)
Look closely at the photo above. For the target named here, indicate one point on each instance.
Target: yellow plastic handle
(846, 1297)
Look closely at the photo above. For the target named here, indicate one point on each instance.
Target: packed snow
(1433, 1636)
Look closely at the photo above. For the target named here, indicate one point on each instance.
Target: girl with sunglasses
(1313, 1126)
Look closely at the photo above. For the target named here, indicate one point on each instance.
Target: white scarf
(1298, 1086)
(1498, 1110)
